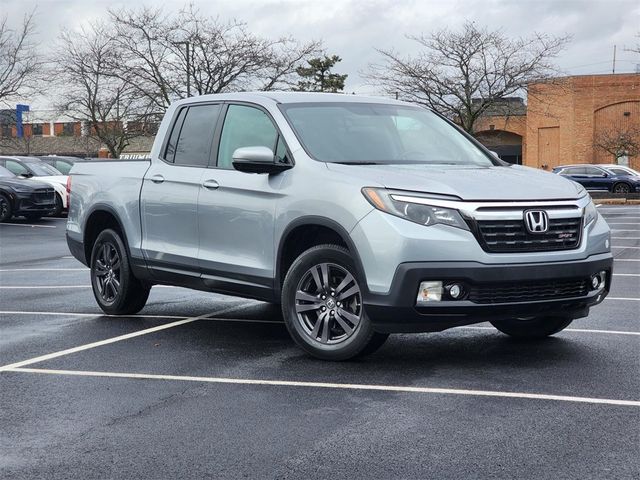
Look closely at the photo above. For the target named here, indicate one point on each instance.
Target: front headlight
(413, 208)
(590, 213)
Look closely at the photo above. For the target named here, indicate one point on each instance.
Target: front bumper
(397, 312)
(25, 204)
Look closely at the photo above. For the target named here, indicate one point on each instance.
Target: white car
(28, 167)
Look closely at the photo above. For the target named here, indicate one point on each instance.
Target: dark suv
(612, 178)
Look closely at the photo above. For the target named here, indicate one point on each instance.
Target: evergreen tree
(317, 77)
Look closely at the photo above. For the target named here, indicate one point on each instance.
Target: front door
(236, 210)
(169, 198)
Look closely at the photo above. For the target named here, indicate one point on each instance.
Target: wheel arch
(299, 230)
(100, 218)
(621, 182)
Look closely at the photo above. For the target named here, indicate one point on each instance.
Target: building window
(5, 130)
(68, 129)
(36, 128)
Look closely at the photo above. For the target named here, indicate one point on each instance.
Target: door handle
(210, 184)
(157, 179)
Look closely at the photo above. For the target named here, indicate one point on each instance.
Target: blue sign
(19, 110)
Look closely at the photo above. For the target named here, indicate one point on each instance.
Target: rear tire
(533, 329)
(621, 188)
(115, 288)
(6, 210)
(322, 305)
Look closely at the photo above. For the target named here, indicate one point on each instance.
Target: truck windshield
(368, 133)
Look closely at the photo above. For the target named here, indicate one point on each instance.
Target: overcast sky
(354, 28)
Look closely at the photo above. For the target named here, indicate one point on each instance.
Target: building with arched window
(579, 119)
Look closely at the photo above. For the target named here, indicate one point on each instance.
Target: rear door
(169, 197)
(236, 210)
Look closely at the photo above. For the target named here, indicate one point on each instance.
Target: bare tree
(463, 73)
(168, 57)
(93, 95)
(619, 141)
(20, 62)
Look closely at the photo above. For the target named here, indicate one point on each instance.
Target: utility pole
(614, 59)
(187, 46)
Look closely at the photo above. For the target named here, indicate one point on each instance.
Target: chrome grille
(502, 236)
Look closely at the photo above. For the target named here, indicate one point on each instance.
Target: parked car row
(23, 197)
(32, 187)
(607, 177)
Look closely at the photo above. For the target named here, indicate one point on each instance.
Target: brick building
(565, 118)
(44, 133)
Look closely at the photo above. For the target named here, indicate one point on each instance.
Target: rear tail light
(68, 190)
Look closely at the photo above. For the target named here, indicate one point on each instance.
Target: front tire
(115, 288)
(59, 206)
(6, 211)
(532, 329)
(322, 305)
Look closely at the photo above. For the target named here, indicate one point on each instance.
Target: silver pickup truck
(360, 216)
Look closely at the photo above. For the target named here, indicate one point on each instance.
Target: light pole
(188, 48)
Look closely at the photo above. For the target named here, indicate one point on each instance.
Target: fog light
(455, 291)
(598, 280)
(429, 292)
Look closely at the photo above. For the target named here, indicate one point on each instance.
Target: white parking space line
(623, 247)
(626, 259)
(626, 274)
(625, 238)
(336, 386)
(623, 298)
(96, 314)
(26, 225)
(620, 223)
(36, 287)
(120, 338)
(100, 343)
(44, 269)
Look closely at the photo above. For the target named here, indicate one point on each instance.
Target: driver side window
(244, 127)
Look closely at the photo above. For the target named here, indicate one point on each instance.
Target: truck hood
(468, 183)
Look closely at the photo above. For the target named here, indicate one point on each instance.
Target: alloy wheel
(328, 303)
(4, 208)
(107, 272)
(621, 188)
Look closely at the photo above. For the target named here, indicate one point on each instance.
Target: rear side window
(593, 171)
(170, 152)
(573, 171)
(193, 143)
(244, 127)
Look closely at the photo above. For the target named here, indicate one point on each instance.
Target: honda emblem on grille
(536, 221)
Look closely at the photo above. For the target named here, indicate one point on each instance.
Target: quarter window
(244, 127)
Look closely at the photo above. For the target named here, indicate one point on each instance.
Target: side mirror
(26, 175)
(495, 154)
(257, 160)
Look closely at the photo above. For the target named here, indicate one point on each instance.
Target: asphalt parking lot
(203, 385)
